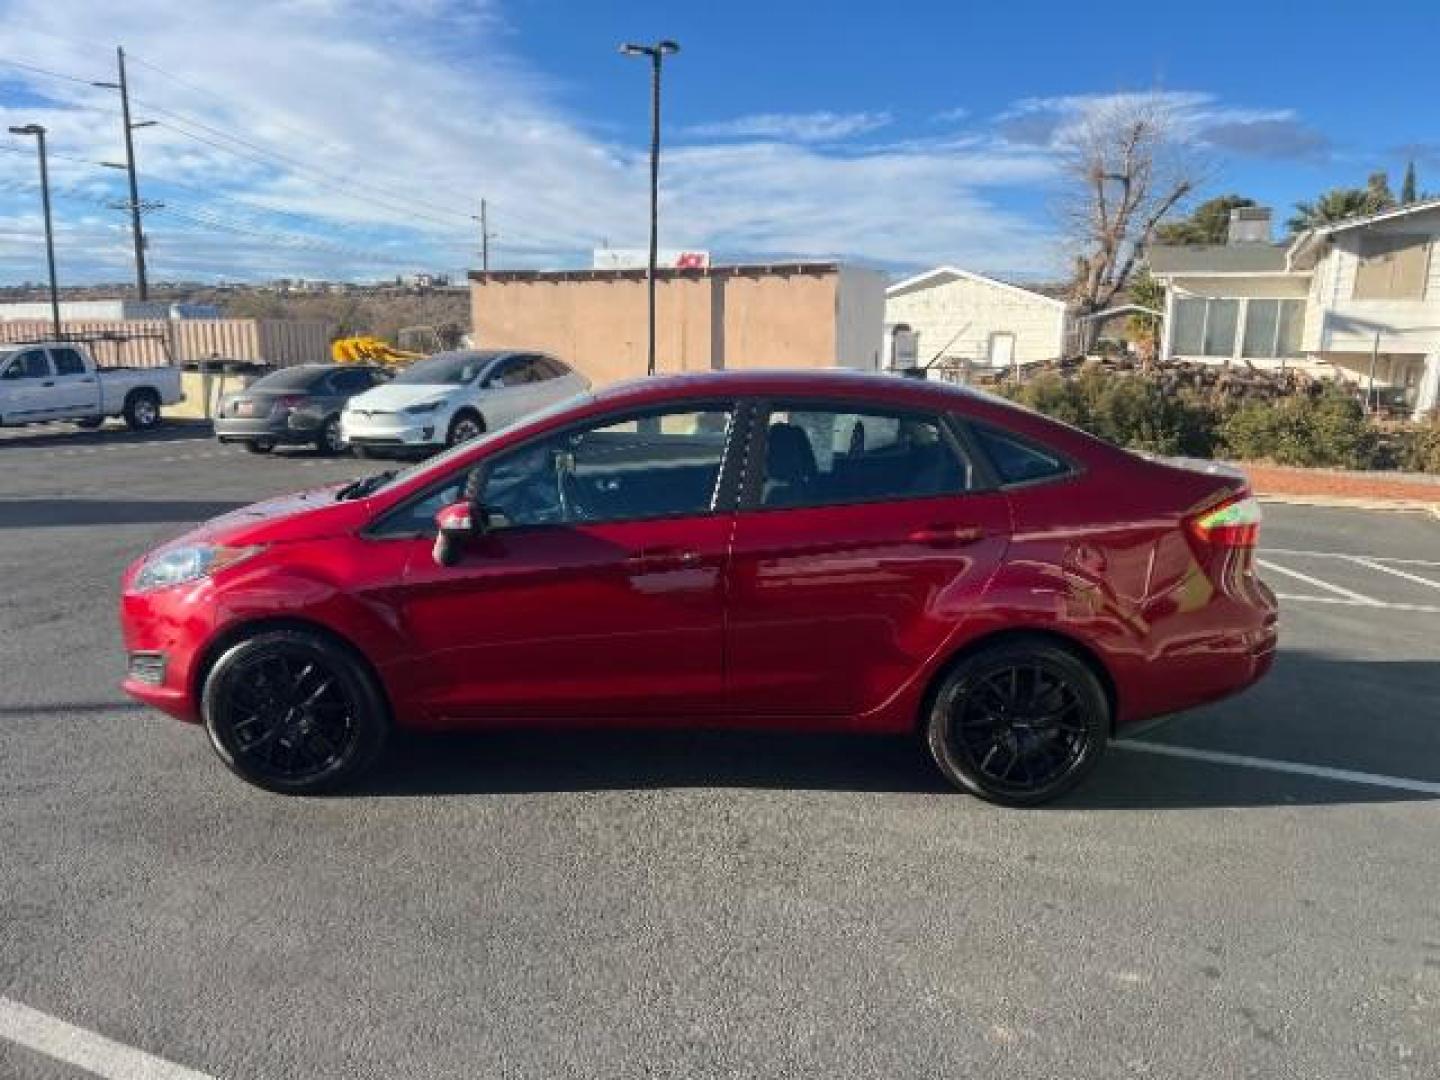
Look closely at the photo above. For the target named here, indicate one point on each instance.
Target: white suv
(454, 396)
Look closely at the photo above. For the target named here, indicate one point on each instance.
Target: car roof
(790, 383)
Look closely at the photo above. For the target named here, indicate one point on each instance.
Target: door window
(67, 362)
(818, 457)
(29, 365)
(1017, 461)
(645, 466)
(350, 382)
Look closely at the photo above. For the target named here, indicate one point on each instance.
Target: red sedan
(816, 551)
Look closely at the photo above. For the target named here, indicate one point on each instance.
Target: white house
(1359, 299)
(960, 317)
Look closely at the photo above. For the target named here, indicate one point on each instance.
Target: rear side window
(819, 457)
(67, 362)
(1017, 460)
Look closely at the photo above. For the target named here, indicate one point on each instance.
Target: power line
(44, 71)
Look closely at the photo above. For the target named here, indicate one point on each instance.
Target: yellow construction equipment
(370, 350)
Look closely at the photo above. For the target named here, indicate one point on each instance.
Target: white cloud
(795, 127)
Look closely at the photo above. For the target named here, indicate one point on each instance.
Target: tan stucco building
(781, 315)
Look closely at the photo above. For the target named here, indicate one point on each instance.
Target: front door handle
(947, 536)
(651, 560)
(50, 383)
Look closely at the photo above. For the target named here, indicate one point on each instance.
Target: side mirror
(455, 526)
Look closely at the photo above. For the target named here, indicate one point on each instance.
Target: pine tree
(1407, 189)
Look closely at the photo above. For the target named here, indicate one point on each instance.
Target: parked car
(59, 380)
(710, 550)
(294, 406)
(454, 396)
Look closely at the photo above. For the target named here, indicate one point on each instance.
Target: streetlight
(39, 133)
(657, 54)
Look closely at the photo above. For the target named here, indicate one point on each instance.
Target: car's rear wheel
(328, 440)
(256, 446)
(293, 712)
(142, 410)
(1018, 723)
(465, 426)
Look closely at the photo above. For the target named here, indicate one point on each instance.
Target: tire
(293, 712)
(328, 441)
(1020, 704)
(142, 410)
(465, 426)
(90, 423)
(255, 447)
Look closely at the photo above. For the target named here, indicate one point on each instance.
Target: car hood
(304, 515)
(393, 398)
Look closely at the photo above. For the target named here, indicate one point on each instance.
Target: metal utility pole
(485, 236)
(39, 133)
(142, 285)
(657, 54)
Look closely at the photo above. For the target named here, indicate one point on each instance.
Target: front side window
(818, 457)
(644, 466)
(445, 369)
(29, 365)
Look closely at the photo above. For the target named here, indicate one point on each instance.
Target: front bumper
(164, 633)
(391, 430)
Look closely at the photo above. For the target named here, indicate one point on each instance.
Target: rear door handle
(653, 559)
(944, 536)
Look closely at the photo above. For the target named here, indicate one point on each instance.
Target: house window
(1205, 327)
(1392, 268)
(1272, 328)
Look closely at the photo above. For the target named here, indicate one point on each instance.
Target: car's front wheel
(1018, 723)
(464, 427)
(293, 712)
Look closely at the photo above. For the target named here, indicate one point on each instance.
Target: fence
(282, 342)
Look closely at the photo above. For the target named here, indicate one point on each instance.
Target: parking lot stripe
(1381, 605)
(1322, 772)
(1373, 565)
(1346, 555)
(1349, 594)
(86, 1050)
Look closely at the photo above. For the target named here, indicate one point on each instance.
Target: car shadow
(112, 434)
(56, 513)
(1313, 710)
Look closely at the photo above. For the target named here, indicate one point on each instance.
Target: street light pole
(39, 133)
(657, 54)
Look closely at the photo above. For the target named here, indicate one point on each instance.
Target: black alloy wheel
(1019, 723)
(292, 712)
(463, 428)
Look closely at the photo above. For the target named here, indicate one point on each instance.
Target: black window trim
(723, 499)
(1072, 470)
(751, 495)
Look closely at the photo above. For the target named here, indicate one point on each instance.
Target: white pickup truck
(58, 380)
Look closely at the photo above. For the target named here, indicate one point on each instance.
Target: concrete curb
(1339, 502)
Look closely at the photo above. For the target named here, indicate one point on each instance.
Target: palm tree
(1341, 204)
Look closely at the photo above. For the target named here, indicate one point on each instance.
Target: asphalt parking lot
(1245, 890)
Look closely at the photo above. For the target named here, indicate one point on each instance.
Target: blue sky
(354, 138)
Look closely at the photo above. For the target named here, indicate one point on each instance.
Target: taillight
(284, 404)
(1235, 523)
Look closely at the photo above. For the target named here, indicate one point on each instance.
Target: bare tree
(1130, 172)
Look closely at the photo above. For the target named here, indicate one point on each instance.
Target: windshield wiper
(358, 489)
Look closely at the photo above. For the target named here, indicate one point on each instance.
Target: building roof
(1217, 258)
(637, 273)
(1374, 219)
(942, 275)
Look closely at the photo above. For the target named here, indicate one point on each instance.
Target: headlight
(424, 407)
(189, 563)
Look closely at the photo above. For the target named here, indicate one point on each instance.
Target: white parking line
(84, 1049)
(1347, 776)
(1374, 565)
(1349, 594)
(1378, 605)
(1349, 556)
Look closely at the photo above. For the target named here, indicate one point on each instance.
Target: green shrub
(1127, 411)
(1421, 449)
(1328, 428)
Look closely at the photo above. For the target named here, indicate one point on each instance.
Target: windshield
(446, 369)
(441, 462)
